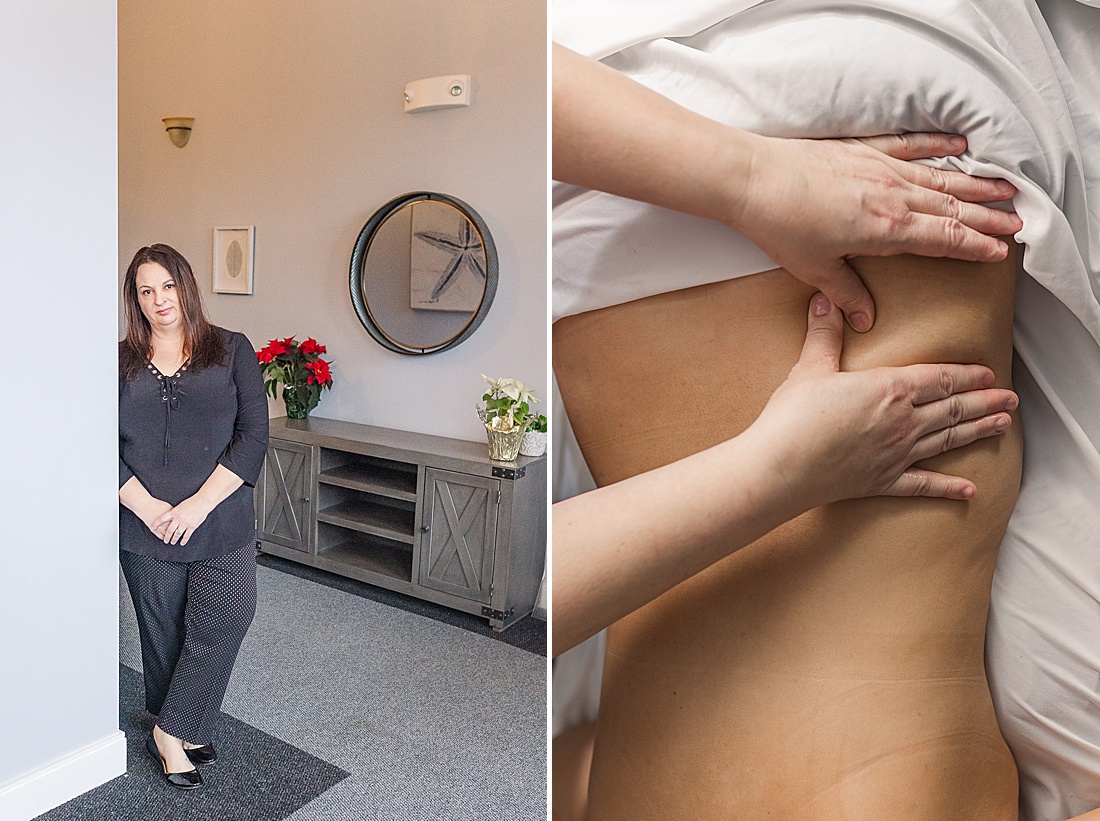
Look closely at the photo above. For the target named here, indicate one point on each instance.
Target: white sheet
(1028, 99)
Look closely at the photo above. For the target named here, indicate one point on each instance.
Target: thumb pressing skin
(846, 290)
(824, 336)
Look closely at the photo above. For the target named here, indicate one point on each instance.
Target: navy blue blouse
(175, 429)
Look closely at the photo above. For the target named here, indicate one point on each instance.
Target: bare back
(833, 669)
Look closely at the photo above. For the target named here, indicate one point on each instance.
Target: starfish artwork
(465, 252)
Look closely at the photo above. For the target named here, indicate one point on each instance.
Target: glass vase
(296, 398)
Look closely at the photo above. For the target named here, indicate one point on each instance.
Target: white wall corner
(64, 779)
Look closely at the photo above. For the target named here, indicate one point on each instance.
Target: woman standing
(192, 440)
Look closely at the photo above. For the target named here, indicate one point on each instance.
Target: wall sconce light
(437, 92)
(179, 129)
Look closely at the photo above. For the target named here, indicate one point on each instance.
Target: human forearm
(612, 134)
(134, 496)
(218, 487)
(623, 545)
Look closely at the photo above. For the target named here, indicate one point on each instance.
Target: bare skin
(571, 761)
(824, 436)
(832, 669)
(160, 304)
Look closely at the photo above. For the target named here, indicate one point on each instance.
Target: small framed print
(234, 249)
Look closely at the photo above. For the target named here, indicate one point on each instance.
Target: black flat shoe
(205, 754)
(190, 780)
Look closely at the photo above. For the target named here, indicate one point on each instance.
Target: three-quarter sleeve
(244, 455)
(124, 473)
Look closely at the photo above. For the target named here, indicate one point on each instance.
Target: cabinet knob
(424, 528)
(305, 498)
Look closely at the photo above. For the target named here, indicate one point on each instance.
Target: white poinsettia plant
(507, 404)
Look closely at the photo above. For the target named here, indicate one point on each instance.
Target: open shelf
(363, 552)
(385, 477)
(392, 483)
(365, 517)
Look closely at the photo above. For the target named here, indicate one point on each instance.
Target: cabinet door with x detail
(460, 524)
(286, 507)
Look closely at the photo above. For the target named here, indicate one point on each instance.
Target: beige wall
(300, 131)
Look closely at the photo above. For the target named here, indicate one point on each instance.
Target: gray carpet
(429, 721)
(528, 633)
(272, 780)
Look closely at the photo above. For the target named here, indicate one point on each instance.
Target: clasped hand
(177, 524)
(862, 431)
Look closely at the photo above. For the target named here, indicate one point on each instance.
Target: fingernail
(967, 492)
(821, 305)
(1001, 425)
(957, 142)
(1002, 247)
(1011, 403)
(988, 379)
(860, 321)
(1004, 185)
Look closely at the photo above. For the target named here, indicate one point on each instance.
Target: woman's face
(158, 296)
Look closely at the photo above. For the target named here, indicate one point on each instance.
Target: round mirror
(423, 273)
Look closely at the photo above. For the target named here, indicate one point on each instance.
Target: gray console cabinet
(424, 515)
(285, 496)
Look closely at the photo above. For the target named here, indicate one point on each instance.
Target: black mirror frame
(359, 258)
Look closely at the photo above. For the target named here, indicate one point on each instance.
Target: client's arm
(823, 436)
(809, 204)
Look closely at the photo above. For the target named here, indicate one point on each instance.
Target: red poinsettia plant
(300, 369)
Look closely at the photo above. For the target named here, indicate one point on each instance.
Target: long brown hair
(202, 342)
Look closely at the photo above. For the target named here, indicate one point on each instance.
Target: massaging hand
(810, 204)
(861, 432)
(178, 523)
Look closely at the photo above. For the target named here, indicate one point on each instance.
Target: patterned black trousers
(192, 618)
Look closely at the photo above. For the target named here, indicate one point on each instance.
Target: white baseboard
(64, 779)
